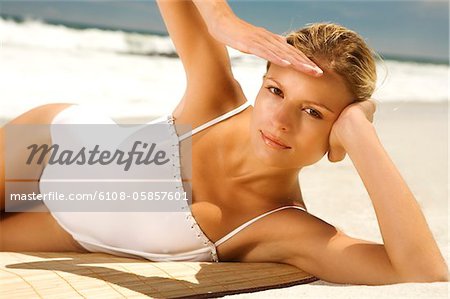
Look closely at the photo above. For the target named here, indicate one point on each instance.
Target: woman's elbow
(423, 277)
(441, 277)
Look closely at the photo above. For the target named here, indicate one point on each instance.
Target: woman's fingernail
(286, 62)
(315, 69)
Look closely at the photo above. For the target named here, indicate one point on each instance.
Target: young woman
(246, 200)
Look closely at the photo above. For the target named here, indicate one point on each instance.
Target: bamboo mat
(98, 275)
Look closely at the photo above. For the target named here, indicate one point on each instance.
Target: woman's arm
(408, 241)
(211, 88)
(203, 57)
(228, 29)
(194, 28)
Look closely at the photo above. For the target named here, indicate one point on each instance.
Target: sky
(403, 28)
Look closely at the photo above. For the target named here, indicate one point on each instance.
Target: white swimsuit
(156, 236)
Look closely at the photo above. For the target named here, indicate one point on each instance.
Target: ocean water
(130, 74)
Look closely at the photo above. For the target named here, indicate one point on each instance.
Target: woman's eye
(277, 91)
(314, 113)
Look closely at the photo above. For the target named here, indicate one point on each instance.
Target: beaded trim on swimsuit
(186, 208)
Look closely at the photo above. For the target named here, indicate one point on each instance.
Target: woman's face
(298, 110)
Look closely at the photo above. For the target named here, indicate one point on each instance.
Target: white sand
(415, 136)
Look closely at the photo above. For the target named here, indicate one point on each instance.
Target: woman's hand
(230, 30)
(351, 114)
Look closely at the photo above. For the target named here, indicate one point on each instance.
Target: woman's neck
(243, 167)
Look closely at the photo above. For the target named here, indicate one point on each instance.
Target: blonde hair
(344, 52)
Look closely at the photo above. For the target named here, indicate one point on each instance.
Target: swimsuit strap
(241, 227)
(214, 121)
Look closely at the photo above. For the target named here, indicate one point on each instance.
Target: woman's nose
(281, 119)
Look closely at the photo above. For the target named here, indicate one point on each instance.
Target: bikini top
(160, 236)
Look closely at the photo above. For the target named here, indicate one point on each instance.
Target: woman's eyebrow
(310, 102)
(320, 105)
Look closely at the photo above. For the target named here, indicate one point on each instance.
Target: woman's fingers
(373, 106)
(296, 57)
(369, 107)
(274, 48)
(336, 155)
(336, 152)
(265, 53)
(279, 46)
(258, 41)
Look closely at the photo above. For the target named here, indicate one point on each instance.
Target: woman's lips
(270, 141)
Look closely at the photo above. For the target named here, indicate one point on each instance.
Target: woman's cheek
(310, 154)
(317, 142)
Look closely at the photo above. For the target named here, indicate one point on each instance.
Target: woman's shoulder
(264, 240)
